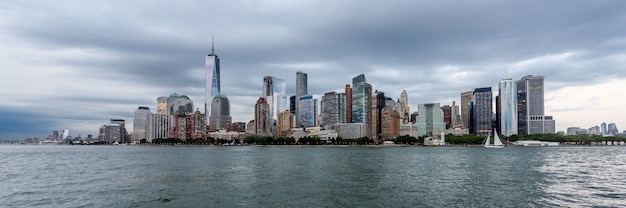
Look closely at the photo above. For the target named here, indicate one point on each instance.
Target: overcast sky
(77, 64)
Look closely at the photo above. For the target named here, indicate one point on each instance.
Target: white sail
(496, 139)
(487, 142)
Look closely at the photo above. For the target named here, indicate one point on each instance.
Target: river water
(310, 176)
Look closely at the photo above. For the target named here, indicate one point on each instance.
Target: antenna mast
(213, 44)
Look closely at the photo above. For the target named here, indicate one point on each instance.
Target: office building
(348, 92)
(220, 113)
(275, 95)
(482, 111)
(285, 121)
(140, 123)
(179, 104)
(212, 81)
(361, 101)
(430, 119)
(530, 107)
(261, 117)
(306, 111)
(301, 89)
(333, 109)
(466, 98)
(507, 107)
(162, 105)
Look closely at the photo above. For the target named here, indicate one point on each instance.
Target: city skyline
(68, 68)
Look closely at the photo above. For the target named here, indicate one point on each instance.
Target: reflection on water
(296, 176)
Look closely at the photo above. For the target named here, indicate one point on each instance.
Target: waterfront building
(603, 128)
(429, 119)
(162, 105)
(466, 98)
(220, 113)
(251, 127)
(301, 90)
(306, 111)
(179, 104)
(261, 117)
(351, 130)
(285, 121)
(481, 111)
(572, 130)
(377, 104)
(361, 102)
(455, 114)
(593, 130)
(408, 129)
(227, 135)
(237, 126)
(275, 95)
(390, 123)
(348, 111)
(530, 107)
(159, 126)
(612, 129)
(111, 133)
(212, 82)
(447, 115)
(333, 109)
(140, 123)
(507, 107)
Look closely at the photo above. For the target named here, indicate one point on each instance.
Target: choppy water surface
(178, 176)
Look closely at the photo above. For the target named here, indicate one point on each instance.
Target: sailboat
(496, 141)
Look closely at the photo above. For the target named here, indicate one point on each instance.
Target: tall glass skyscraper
(482, 111)
(301, 89)
(220, 113)
(430, 119)
(508, 107)
(212, 79)
(361, 100)
(140, 123)
(274, 92)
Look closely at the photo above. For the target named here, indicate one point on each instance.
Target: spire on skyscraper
(213, 44)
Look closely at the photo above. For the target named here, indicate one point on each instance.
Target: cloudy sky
(77, 64)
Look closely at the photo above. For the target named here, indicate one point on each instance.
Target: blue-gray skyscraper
(482, 111)
(301, 90)
(507, 102)
(361, 101)
(212, 79)
(530, 107)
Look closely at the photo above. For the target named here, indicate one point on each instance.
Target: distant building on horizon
(306, 111)
(466, 98)
(301, 90)
(140, 123)
(530, 107)
(262, 118)
(481, 108)
(429, 119)
(507, 107)
(220, 113)
(179, 104)
(274, 94)
(361, 101)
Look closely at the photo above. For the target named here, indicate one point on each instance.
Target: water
(295, 176)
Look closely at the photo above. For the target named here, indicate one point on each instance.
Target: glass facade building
(212, 81)
(482, 111)
(361, 100)
(507, 106)
(220, 113)
(140, 123)
(306, 111)
(430, 119)
(274, 92)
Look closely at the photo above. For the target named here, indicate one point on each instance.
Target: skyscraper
(306, 111)
(333, 109)
(212, 79)
(507, 106)
(140, 123)
(361, 94)
(447, 115)
(220, 113)
(530, 107)
(301, 89)
(261, 117)
(404, 98)
(275, 96)
(466, 98)
(482, 111)
(179, 104)
(162, 105)
(348, 91)
(429, 121)
(285, 120)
